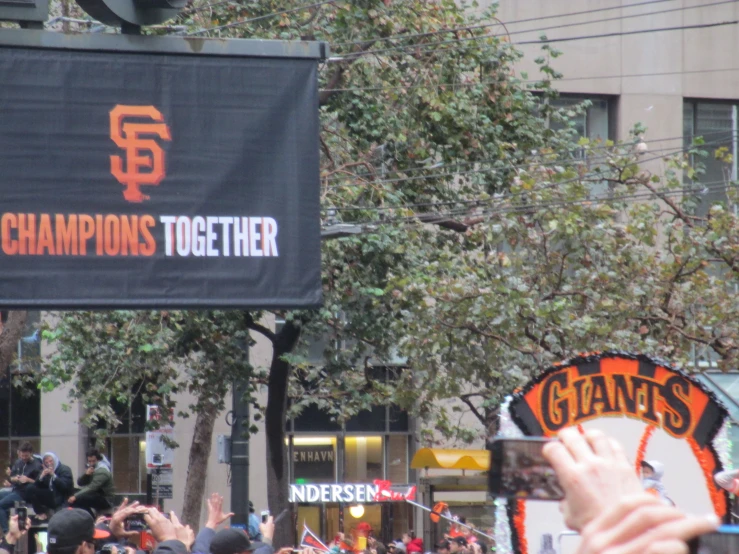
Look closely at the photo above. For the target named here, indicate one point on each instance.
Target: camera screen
(518, 470)
(43, 539)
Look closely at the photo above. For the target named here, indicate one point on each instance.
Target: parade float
(655, 411)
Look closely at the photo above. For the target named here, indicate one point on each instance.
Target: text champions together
(29, 234)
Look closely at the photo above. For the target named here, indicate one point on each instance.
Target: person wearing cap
(442, 547)
(73, 531)
(457, 544)
(216, 516)
(254, 522)
(236, 541)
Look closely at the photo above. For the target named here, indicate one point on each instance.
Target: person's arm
(84, 479)
(64, 480)
(98, 480)
(728, 480)
(216, 516)
(35, 470)
(172, 546)
(202, 541)
(264, 548)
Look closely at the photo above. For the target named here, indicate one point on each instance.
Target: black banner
(158, 180)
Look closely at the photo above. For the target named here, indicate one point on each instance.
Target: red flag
(311, 540)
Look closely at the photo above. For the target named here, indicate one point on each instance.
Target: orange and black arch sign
(618, 384)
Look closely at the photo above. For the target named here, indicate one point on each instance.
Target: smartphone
(42, 537)
(135, 522)
(265, 516)
(22, 514)
(519, 470)
(725, 540)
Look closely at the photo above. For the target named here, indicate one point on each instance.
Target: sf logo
(142, 151)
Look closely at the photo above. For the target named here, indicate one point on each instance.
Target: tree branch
(258, 327)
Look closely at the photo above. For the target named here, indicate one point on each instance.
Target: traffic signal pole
(240, 456)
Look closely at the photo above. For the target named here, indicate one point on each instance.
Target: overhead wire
(589, 160)
(424, 46)
(496, 23)
(525, 81)
(494, 197)
(560, 26)
(425, 218)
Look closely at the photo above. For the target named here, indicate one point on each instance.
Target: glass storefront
(372, 446)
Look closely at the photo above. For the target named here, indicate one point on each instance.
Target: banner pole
(417, 505)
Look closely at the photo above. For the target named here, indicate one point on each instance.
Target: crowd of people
(46, 484)
(604, 500)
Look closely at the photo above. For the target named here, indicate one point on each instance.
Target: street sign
(162, 481)
(157, 453)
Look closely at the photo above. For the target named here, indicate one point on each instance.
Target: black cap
(230, 541)
(72, 527)
(461, 541)
(443, 544)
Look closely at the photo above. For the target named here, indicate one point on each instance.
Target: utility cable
(528, 207)
(527, 81)
(667, 152)
(493, 198)
(589, 160)
(417, 47)
(555, 27)
(485, 25)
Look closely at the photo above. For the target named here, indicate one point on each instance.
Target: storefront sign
(378, 491)
(314, 462)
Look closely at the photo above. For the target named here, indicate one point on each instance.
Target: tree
(111, 358)
(11, 330)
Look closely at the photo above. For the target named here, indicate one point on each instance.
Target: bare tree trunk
(275, 417)
(12, 331)
(197, 468)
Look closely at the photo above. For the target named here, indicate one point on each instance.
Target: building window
(718, 124)
(20, 407)
(126, 449)
(363, 459)
(594, 123)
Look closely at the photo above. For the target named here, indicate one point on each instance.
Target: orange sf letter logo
(141, 153)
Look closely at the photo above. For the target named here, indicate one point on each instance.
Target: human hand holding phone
(518, 469)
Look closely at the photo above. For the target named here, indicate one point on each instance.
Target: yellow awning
(438, 458)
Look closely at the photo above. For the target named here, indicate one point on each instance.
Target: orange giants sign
(605, 385)
(141, 149)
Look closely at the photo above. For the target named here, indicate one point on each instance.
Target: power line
(528, 81)
(541, 41)
(495, 198)
(423, 218)
(550, 28)
(484, 25)
(588, 160)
